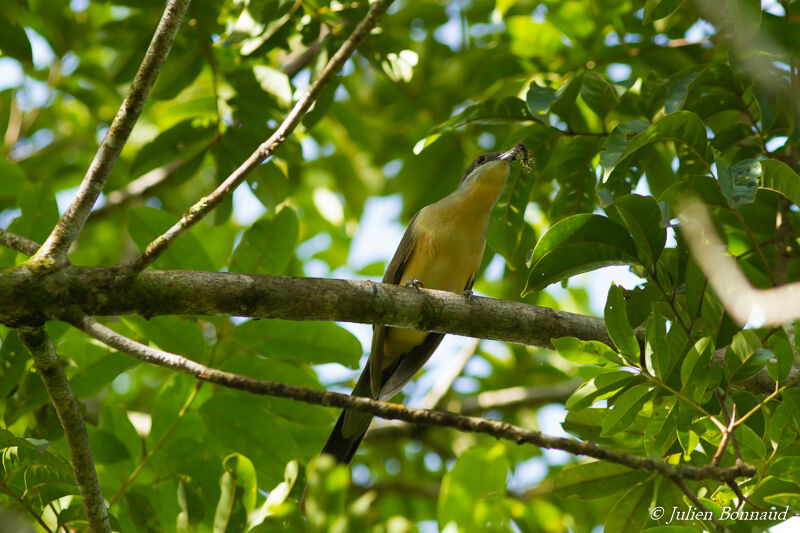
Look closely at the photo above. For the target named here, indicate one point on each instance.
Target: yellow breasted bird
(441, 249)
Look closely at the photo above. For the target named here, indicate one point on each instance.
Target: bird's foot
(413, 283)
(468, 294)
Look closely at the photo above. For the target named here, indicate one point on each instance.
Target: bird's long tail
(350, 428)
(342, 445)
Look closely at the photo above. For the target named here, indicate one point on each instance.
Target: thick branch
(69, 226)
(206, 204)
(495, 428)
(69, 413)
(29, 299)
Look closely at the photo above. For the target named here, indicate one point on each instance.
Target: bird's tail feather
(343, 446)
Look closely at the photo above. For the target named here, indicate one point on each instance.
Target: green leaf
(147, 223)
(472, 492)
(682, 127)
(13, 179)
(698, 376)
(237, 421)
(578, 244)
(625, 409)
(488, 112)
(598, 388)
(39, 212)
(659, 9)
(268, 246)
(661, 429)
(309, 342)
(507, 229)
(14, 359)
(585, 352)
(564, 106)
(779, 177)
(642, 216)
(538, 100)
(576, 177)
(181, 336)
(106, 447)
(696, 360)
(750, 444)
(782, 428)
(176, 143)
(237, 494)
(140, 507)
(739, 183)
(618, 326)
(92, 379)
(270, 183)
(275, 83)
(617, 142)
(745, 357)
(599, 94)
(14, 42)
(632, 511)
(596, 479)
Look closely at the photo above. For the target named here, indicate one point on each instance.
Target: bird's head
(492, 169)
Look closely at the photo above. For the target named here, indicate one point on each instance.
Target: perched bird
(441, 249)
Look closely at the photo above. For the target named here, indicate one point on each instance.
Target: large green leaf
(472, 491)
(626, 407)
(488, 112)
(596, 479)
(268, 246)
(577, 244)
(642, 216)
(237, 494)
(682, 127)
(779, 177)
(309, 342)
(632, 511)
(619, 327)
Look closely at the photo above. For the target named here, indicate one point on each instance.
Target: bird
(442, 249)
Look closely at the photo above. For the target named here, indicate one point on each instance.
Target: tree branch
(495, 428)
(17, 242)
(268, 147)
(55, 248)
(28, 299)
(69, 413)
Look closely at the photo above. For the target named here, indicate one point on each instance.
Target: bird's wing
(394, 274)
(396, 376)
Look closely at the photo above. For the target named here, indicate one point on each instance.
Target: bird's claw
(413, 283)
(468, 294)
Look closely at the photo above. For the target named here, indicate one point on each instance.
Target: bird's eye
(481, 159)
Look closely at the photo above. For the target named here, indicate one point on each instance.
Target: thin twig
(5, 490)
(69, 413)
(17, 242)
(495, 428)
(726, 433)
(57, 245)
(267, 148)
(696, 502)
